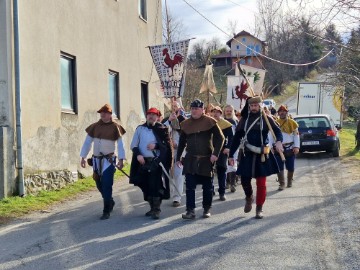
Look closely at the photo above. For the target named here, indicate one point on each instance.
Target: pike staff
(262, 111)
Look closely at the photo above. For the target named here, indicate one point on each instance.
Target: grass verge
(13, 207)
(347, 140)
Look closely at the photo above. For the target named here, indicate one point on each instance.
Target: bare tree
(173, 28)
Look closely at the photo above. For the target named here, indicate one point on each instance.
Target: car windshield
(313, 122)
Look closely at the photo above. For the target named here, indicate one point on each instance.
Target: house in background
(75, 56)
(244, 47)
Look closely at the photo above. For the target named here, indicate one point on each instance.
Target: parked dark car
(318, 133)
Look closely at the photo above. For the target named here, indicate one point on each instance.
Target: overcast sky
(218, 11)
(221, 11)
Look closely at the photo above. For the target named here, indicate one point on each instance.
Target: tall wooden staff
(262, 111)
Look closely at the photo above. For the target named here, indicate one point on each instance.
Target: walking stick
(252, 92)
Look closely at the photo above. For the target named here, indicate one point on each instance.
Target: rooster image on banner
(170, 63)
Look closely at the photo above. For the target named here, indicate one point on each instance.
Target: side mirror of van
(338, 127)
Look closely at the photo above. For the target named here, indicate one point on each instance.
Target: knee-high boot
(150, 201)
(281, 179)
(290, 176)
(106, 210)
(156, 204)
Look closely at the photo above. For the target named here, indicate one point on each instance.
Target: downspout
(18, 100)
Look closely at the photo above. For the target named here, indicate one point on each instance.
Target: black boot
(190, 214)
(106, 210)
(259, 214)
(156, 204)
(248, 204)
(206, 213)
(150, 201)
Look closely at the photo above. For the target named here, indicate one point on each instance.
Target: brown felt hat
(217, 108)
(283, 108)
(106, 108)
(255, 99)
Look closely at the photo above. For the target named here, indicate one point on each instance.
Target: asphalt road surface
(313, 225)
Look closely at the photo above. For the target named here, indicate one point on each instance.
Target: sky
(221, 11)
(218, 11)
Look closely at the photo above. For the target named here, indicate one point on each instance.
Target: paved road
(314, 225)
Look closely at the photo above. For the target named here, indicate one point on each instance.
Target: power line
(255, 52)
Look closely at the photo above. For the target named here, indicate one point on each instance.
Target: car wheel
(336, 152)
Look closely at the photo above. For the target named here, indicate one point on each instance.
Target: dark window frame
(74, 104)
(144, 95)
(143, 10)
(116, 108)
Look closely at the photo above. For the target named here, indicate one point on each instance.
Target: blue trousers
(192, 180)
(221, 175)
(104, 185)
(289, 163)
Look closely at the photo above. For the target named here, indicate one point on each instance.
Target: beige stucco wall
(102, 35)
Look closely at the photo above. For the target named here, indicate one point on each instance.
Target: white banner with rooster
(238, 91)
(170, 63)
(256, 73)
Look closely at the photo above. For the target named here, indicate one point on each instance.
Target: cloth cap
(217, 108)
(283, 108)
(255, 99)
(197, 103)
(106, 108)
(154, 111)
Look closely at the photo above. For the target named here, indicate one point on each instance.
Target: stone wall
(53, 180)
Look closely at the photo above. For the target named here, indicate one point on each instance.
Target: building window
(250, 50)
(242, 61)
(243, 39)
(114, 93)
(144, 98)
(249, 61)
(142, 9)
(68, 83)
(257, 48)
(238, 47)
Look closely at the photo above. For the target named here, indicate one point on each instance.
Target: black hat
(197, 103)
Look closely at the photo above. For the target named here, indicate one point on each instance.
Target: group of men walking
(179, 149)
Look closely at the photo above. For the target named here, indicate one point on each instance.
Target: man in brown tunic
(203, 140)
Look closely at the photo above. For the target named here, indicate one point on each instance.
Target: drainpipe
(18, 100)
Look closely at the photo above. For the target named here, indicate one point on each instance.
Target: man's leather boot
(106, 210)
(259, 214)
(206, 213)
(156, 205)
(190, 214)
(150, 201)
(281, 179)
(248, 204)
(290, 176)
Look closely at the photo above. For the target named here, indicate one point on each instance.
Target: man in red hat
(104, 135)
(291, 145)
(152, 154)
(221, 163)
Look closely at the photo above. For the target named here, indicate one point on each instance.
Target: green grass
(347, 140)
(13, 207)
(290, 90)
